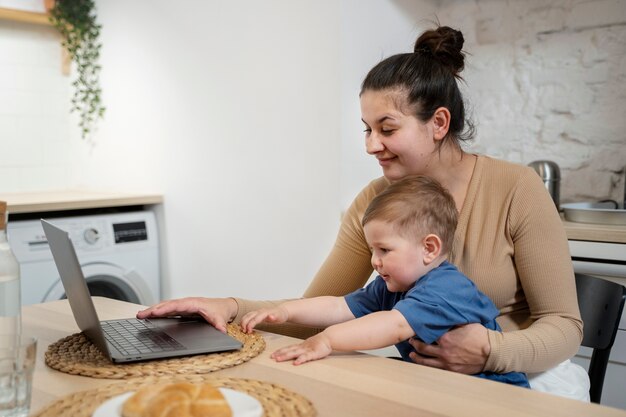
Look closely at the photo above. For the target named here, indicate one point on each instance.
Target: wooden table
(344, 384)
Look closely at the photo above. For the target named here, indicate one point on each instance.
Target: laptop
(129, 340)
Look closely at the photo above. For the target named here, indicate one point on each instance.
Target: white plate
(241, 404)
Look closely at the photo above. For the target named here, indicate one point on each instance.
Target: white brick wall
(547, 80)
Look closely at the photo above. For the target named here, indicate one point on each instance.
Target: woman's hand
(216, 311)
(315, 347)
(463, 349)
(275, 315)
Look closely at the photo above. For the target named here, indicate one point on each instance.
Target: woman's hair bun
(445, 45)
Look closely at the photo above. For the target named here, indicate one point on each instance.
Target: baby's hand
(275, 315)
(315, 347)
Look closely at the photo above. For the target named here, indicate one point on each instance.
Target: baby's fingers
(307, 356)
(300, 353)
(249, 321)
(287, 353)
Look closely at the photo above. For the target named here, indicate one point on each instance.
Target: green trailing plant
(76, 21)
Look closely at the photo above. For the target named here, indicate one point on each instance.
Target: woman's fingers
(424, 349)
(215, 320)
(163, 309)
(463, 349)
(427, 361)
(427, 355)
(216, 311)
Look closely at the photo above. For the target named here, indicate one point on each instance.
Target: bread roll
(181, 399)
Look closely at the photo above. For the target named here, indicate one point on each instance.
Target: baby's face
(397, 259)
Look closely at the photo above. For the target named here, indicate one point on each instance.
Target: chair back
(601, 303)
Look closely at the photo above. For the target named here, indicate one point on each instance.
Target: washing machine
(118, 253)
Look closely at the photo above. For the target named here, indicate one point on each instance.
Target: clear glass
(17, 365)
(10, 325)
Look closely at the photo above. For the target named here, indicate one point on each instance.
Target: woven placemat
(276, 400)
(76, 355)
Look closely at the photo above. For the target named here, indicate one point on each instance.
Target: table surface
(344, 384)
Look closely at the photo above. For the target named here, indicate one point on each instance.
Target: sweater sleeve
(546, 276)
(346, 269)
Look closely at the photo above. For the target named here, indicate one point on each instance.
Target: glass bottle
(10, 320)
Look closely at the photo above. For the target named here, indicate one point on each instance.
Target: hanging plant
(76, 21)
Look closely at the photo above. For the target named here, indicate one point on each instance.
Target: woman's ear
(441, 123)
(432, 248)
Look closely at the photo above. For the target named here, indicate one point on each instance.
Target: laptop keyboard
(132, 336)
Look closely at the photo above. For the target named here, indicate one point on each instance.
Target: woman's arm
(546, 275)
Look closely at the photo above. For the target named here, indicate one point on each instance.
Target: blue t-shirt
(440, 300)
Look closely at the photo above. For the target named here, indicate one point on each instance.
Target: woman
(509, 240)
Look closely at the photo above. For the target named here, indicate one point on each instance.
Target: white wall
(245, 115)
(34, 104)
(230, 108)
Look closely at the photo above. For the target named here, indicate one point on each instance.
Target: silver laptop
(128, 340)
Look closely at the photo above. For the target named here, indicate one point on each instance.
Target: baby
(409, 228)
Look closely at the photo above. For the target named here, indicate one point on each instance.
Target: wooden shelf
(36, 202)
(24, 16)
(36, 19)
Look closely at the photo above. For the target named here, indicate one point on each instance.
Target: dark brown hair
(416, 206)
(427, 79)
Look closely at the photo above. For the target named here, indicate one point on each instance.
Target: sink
(590, 212)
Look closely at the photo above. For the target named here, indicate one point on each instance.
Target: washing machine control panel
(88, 235)
(91, 235)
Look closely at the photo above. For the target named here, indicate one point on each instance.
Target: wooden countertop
(74, 200)
(595, 232)
(344, 384)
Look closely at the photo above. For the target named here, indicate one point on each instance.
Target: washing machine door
(108, 280)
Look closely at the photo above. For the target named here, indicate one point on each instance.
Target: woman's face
(402, 144)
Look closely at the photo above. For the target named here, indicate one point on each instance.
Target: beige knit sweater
(509, 241)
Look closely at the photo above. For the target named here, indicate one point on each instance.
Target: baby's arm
(373, 331)
(316, 312)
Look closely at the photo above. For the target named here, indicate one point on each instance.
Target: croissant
(177, 400)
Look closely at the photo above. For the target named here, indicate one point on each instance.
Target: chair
(601, 303)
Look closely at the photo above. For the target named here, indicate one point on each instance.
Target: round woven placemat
(76, 355)
(276, 400)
